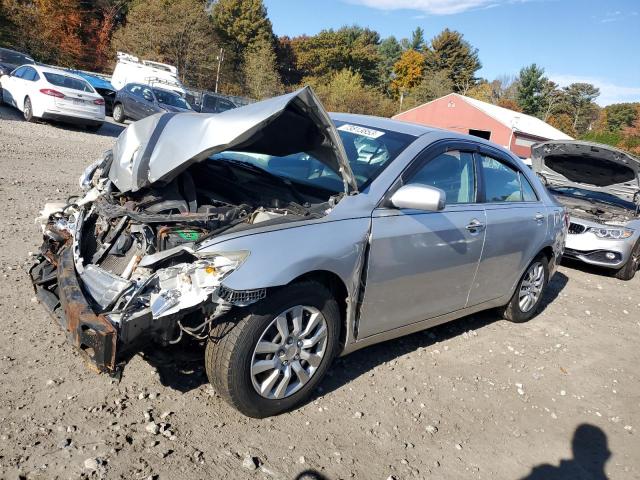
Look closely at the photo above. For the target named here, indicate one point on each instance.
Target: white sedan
(49, 93)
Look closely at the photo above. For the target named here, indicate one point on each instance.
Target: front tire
(118, 113)
(272, 359)
(527, 299)
(628, 271)
(27, 111)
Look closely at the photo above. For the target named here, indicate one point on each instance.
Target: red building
(512, 130)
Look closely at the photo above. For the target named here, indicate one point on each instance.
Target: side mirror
(419, 197)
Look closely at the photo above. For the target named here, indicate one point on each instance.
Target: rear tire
(628, 271)
(27, 111)
(118, 113)
(232, 353)
(532, 286)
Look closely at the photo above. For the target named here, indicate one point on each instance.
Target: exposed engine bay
(590, 208)
(136, 253)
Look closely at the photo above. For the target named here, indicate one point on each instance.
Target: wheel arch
(338, 289)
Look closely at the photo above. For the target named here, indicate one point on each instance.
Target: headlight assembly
(188, 284)
(611, 233)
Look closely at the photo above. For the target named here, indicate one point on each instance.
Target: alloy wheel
(289, 352)
(531, 287)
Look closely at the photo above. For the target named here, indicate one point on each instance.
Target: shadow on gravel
(311, 475)
(590, 454)
(586, 268)
(181, 366)
(108, 129)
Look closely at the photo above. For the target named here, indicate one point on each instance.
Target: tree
(389, 52)
(564, 123)
(578, 102)
(50, 30)
(346, 92)
(178, 32)
(260, 71)
(551, 97)
(620, 115)
(482, 91)
(510, 104)
(416, 42)
(449, 51)
(331, 51)
(530, 88)
(239, 23)
(287, 61)
(407, 72)
(433, 85)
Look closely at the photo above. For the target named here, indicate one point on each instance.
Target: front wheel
(28, 110)
(271, 360)
(526, 300)
(628, 271)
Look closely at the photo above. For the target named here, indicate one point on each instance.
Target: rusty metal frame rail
(92, 334)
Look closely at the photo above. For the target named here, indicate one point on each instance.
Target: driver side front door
(422, 264)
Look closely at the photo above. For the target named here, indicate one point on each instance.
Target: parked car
(136, 101)
(102, 86)
(10, 60)
(216, 103)
(600, 185)
(262, 231)
(52, 94)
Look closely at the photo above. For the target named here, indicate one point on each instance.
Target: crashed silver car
(284, 237)
(600, 185)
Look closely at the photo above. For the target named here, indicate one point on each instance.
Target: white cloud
(609, 92)
(434, 7)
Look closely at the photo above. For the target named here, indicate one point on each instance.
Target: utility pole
(220, 60)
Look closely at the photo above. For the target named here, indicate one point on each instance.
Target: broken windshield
(369, 152)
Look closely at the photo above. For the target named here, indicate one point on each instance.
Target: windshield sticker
(365, 132)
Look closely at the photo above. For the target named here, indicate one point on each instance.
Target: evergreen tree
(530, 88)
(452, 53)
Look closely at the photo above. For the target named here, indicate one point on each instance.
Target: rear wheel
(28, 110)
(631, 267)
(118, 113)
(526, 300)
(272, 359)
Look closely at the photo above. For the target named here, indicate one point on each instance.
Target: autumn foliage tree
(408, 72)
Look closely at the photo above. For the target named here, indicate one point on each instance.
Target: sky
(594, 41)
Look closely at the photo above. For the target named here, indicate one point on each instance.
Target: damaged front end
(122, 266)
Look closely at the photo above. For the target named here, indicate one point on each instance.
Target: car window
(305, 168)
(452, 172)
(170, 98)
(209, 102)
(501, 182)
(528, 193)
(14, 57)
(224, 105)
(29, 74)
(18, 73)
(65, 81)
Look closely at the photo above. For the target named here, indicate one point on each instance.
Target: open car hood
(159, 147)
(590, 166)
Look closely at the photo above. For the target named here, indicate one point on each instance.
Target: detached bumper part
(92, 334)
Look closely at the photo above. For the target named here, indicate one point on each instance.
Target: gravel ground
(558, 397)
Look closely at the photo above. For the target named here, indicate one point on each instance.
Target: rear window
(66, 81)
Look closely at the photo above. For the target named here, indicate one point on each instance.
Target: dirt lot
(478, 398)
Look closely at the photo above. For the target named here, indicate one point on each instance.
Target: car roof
(46, 69)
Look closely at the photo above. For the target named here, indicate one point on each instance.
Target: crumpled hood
(159, 147)
(587, 165)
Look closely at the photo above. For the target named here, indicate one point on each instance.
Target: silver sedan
(283, 237)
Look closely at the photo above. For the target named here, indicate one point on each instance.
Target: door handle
(475, 225)
(539, 217)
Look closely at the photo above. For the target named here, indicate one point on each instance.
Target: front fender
(278, 257)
